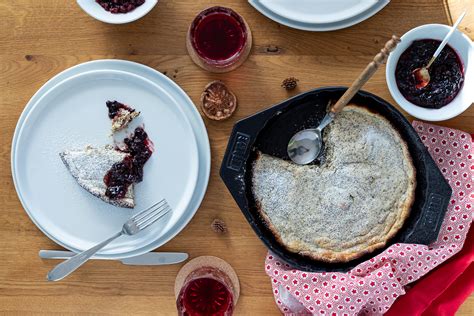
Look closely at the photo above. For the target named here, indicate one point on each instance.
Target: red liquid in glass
(218, 35)
(205, 296)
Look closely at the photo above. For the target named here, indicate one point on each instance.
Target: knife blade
(147, 259)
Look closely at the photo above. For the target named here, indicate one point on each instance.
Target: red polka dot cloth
(372, 287)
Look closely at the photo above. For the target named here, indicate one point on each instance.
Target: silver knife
(147, 259)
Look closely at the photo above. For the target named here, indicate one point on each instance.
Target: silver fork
(135, 224)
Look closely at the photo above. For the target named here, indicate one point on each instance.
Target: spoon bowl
(305, 146)
(422, 77)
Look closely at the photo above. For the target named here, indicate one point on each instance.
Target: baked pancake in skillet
(352, 203)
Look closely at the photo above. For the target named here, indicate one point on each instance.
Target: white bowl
(465, 49)
(97, 12)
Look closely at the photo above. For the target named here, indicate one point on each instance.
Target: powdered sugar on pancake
(351, 204)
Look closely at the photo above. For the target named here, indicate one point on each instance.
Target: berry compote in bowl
(449, 92)
(117, 12)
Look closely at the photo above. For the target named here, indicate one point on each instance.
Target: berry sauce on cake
(130, 170)
(120, 114)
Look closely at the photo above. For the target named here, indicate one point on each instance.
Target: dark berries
(120, 6)
(114, 108)
(447, 74)
(130, 170)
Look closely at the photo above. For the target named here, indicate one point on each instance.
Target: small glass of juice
(219, 39)
(206, 286)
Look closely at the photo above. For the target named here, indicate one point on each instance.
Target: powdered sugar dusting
(351, 201)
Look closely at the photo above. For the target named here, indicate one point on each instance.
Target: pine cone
(290, 83)
(219, 226)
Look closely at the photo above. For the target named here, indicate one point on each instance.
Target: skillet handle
(438, 194)
(427, 228)
(237, 151)
(234, 163)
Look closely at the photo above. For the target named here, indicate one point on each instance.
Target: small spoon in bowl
(422, 75)
(305, 146)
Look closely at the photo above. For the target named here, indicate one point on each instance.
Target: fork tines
(150, 215)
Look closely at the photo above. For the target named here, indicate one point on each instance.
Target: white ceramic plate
(318, 11)
(69, 112)
(97, 12)
(319, 15)
(463, 45)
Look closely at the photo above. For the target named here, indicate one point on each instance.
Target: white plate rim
(202, 142)
(361, 7)
(323, 27)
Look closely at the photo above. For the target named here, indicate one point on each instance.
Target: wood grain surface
(38, 39)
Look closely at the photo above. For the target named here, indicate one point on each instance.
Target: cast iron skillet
(269, 132)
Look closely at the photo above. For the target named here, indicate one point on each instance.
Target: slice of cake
(120, 114)
(89, 167)
(110, 173)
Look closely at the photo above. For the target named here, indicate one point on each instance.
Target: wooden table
(38, 39)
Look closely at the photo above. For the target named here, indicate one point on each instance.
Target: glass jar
(219, 39)
(207, 286)
(206, 291)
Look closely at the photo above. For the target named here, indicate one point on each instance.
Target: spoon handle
(366, 74)
(446, 39)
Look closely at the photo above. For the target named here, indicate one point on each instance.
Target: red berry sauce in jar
(446, 73)
(206, 292)
(219, 39)
(218, 34)
(206, 296)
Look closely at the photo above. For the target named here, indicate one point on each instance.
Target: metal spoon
(305, 145)
(422, 75)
